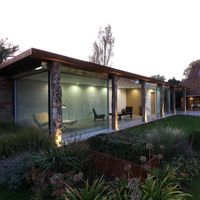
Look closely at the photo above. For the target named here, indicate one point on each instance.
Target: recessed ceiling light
(38, 68)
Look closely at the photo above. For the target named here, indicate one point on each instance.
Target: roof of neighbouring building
(193, 81)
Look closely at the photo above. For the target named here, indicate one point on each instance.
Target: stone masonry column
(184, 100)
(55, 102)
(114, 103)
(168, 100)
(144, 114)
(161, 101)
(173, 100)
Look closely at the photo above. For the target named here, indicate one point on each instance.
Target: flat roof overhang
(32, 58)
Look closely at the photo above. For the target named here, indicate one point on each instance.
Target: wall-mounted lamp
(43, 66)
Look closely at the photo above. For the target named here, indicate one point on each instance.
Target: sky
(151, 36)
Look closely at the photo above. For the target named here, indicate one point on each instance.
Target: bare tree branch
(103, 48)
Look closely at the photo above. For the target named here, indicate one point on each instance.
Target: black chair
(96, 116)
(129, 111)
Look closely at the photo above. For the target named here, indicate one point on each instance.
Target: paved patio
(191, 113)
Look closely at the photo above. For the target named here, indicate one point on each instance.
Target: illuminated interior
(80, 95)
(31, 97)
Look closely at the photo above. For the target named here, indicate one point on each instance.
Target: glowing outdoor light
(58, 137)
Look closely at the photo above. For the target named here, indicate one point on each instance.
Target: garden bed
(55, 171)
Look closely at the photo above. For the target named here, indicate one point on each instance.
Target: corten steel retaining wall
(6, 99)
(114, 167)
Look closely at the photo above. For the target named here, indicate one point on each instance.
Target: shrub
(194, 140)
(172, 138)
(97, 191)
(125, 189)
(70, 157)
(8, 127)
(163, 184)
(188, 168)
(27, 139)
(123, 149)
(13, 171)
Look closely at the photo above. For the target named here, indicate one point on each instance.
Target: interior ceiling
(74, 79)
(127, 83)
(69, 79)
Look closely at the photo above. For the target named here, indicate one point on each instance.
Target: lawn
(187, 123)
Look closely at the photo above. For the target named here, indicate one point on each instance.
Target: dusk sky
(151, 36)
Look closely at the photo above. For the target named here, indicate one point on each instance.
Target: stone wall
(6, 99)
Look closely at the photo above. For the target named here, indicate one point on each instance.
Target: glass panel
(80, 95)
(31, 97)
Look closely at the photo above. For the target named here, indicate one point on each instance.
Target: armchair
(97, 116)
(42, 121)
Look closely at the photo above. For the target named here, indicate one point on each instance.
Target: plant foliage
(163, 185)
(95, 191)
(7, 49)
(13, 171)
(25, 139)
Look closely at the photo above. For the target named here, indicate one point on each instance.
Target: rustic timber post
(161, 101)
(184, 100)
(55, 102)
(144, 114)
(114, 103)
(173, 100)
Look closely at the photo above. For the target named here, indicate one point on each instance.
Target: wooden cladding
(6, 99)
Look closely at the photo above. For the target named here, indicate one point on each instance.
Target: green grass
(187, 123)
(6, 194)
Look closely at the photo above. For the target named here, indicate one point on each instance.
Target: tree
(103, 47)
(187, 70)
(159, 77)
(7, 50)
(174, 81)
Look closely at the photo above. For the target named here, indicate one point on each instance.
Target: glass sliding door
(31, 97)
(84, 104)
